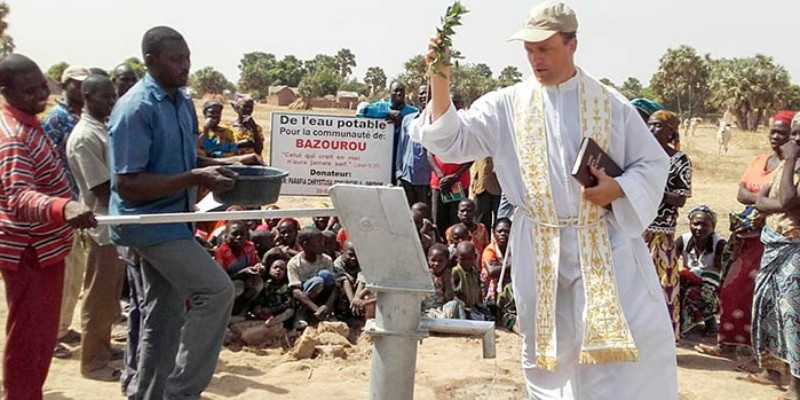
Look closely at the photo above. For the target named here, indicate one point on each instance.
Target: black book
(590, 154)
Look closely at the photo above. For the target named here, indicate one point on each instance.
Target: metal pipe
(395, 339)
(212, 216)
(485, 329)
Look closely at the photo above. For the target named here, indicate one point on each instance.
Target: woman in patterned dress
(744, 247)
(660, 236)
(248, 134)
(776, 302)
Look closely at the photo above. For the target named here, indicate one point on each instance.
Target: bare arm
(745, 196)
(449, 293)
(102, 192)
(674, 199)
(304, 299)
(787, 195)
(439, 102)
(767, 205)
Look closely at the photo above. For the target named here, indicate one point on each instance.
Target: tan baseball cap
(75, 72)
(545, 20)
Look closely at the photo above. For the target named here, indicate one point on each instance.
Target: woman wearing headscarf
(216, 140)
(247, 132)
(776, 302)
(742, 255)
(660, 235)
(701, 251)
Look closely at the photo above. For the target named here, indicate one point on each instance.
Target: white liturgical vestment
(487, 129)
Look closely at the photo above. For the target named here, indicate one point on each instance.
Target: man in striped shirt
(36, 221)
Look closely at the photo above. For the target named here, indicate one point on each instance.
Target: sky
(617, 38)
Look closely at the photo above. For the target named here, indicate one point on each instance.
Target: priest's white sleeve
(466, 135)
(646, 168)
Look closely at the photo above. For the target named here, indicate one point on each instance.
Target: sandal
(105, 374)
(715, 351)
(71, 337)
(62, 352)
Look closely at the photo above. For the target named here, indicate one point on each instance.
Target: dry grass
(715, 179)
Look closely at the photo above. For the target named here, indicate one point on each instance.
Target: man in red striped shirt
(36, 222)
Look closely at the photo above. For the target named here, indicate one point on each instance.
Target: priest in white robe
(596, 327)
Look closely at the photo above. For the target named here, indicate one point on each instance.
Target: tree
(353, 85)
(322, 82)
(482, 70)
(56, 70)
(749, 88)
(509, 76)
(471, 82)
(346, 61)
(414, 73)
(682, 81)
(321, 61)
(288, 71)
(631, 88)
(254, 73)
(607, 82)
(375, 78)
(137, 65)
(792, 98)
(210, 81)
(6, 41)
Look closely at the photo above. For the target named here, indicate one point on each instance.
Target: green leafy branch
(445, 34)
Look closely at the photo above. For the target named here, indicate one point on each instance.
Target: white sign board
(320, 151)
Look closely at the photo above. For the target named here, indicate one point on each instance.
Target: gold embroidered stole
(606, 336)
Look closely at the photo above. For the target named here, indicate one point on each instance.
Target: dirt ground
(450, 368)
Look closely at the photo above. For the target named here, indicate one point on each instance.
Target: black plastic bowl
(256, 186)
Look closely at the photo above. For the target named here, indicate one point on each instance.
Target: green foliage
(472, 82)
(210, 81)
(322, 82)
(792, 98)
(288, 71)
(509, 76)
(375, 78)
(137, 65)
(319, 62)
(6, 41)
(682, 81)
(750, 88)
(56, 70)
(353, 85)
(444, 34)
(254, 73)
(346, 61)
(607, 82)
(631, 88)
(414, 73)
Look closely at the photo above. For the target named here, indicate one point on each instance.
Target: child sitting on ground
(456, 234)
(311, 279)
(286, 238)
(442, 303)
(363, 304)
(263, 241)
(508, 309)
(332, 248)
(347, 269)
(478, 231)
(428, 227)
(467, 282)
(237, 256)
(424, 239)
(492, 262)
(274, 303)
